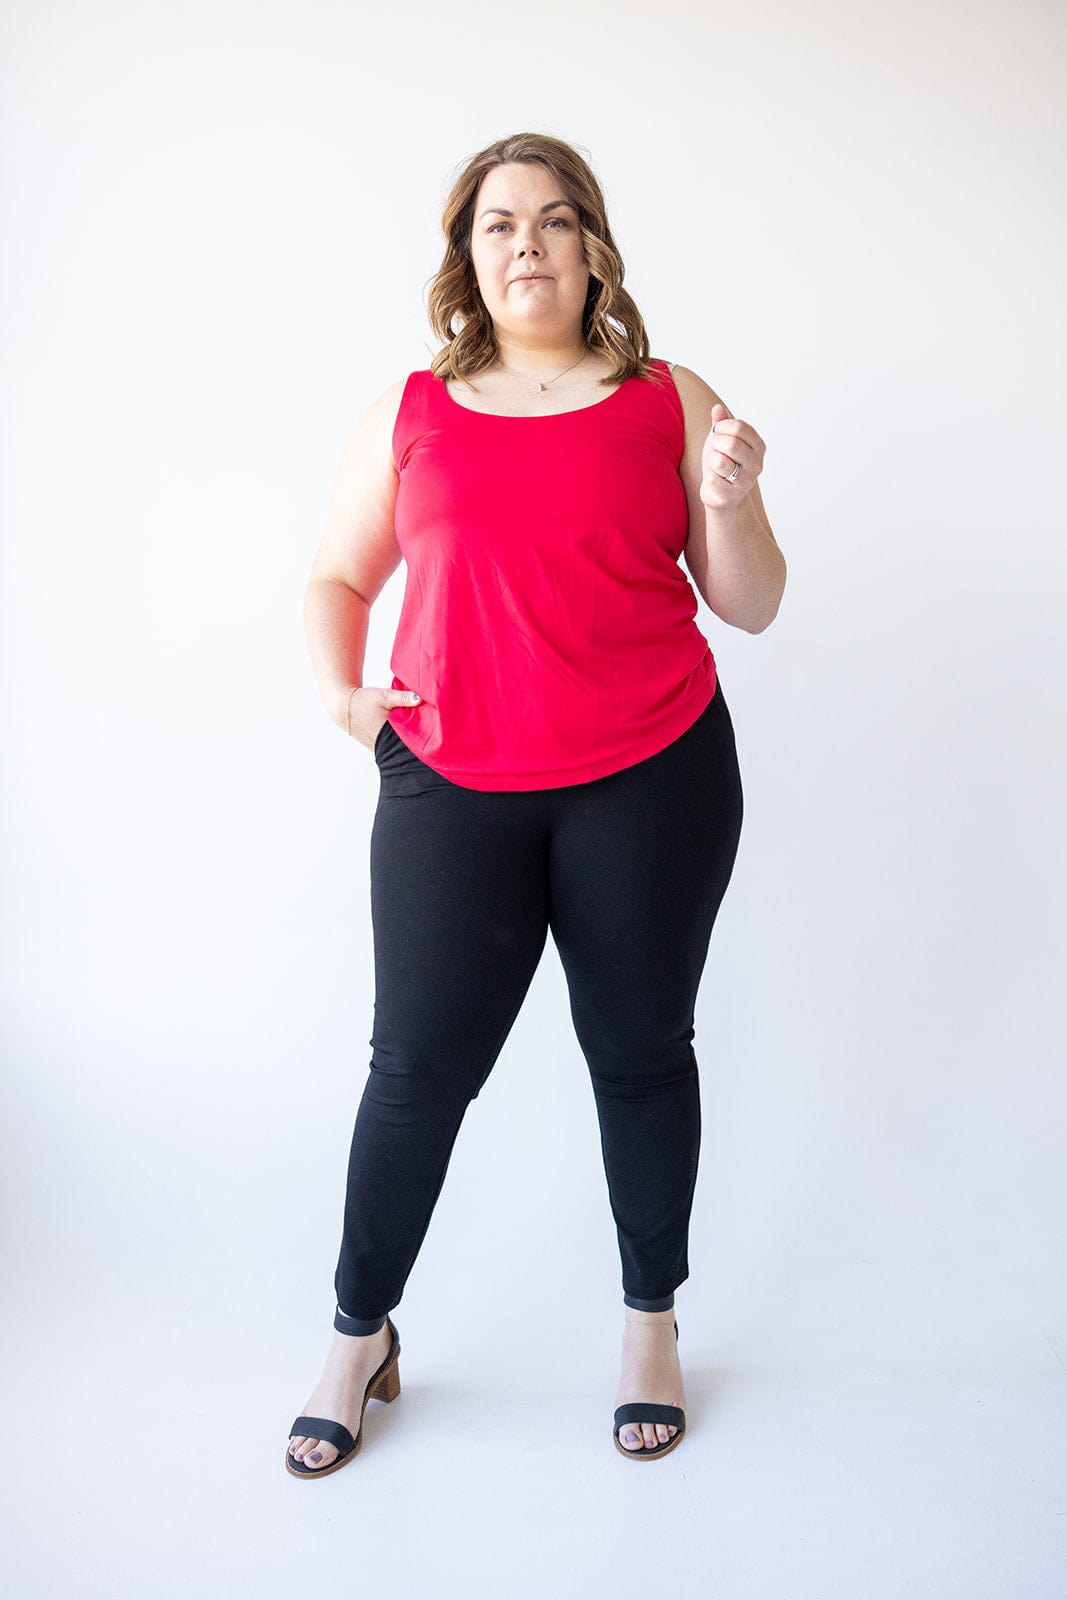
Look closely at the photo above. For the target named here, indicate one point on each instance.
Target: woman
(554, 751)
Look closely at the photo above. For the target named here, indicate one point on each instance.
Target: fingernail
(413, 697)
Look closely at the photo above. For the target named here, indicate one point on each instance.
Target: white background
(218, 222)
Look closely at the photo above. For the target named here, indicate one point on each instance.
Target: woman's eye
(550, 222)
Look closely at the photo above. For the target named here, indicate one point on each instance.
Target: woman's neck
(539, 359)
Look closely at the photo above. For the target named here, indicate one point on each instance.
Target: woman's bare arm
(356, 556)
(731, 553)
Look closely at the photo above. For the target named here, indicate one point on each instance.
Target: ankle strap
(648, 1305)
(356, 1325)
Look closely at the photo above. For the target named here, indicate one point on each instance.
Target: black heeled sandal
(384, 1385)
(643, 1411)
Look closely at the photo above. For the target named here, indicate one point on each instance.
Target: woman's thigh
(459, 911)
(638, 864)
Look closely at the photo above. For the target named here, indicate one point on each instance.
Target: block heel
(388, 1386)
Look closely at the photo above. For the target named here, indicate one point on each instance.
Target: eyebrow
(498, 211)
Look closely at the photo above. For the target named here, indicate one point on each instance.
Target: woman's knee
(629, 1066)
(420, 1083)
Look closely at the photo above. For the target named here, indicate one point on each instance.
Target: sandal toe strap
(671, 1416)
(334, 1433)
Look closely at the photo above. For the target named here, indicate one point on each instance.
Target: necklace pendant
(540, 388)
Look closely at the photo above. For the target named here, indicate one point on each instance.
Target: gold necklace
(541, 387)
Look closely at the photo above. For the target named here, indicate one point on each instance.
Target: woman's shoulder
(695, 400)
(388, 404)
(370, 441)
(696, 395)
(380, 418)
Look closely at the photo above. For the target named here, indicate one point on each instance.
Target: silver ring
(733, 476)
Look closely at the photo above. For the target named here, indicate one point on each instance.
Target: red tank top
(546, 622)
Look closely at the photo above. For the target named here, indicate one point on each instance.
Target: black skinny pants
(628, 871)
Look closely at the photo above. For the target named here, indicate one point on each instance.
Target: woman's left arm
(731, 553)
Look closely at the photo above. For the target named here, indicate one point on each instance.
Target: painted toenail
(316, 1455)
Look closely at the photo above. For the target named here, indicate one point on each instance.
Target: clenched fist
(732, 460)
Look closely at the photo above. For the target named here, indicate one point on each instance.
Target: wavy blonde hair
(611, 322)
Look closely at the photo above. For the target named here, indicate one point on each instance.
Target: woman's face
(526, 248)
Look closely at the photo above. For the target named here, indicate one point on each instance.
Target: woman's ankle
(358, 1327)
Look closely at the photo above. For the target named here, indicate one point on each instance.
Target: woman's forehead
(521, 183)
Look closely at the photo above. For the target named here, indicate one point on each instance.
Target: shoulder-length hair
(611, 322)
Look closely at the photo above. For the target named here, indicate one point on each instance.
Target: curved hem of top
(558, 779)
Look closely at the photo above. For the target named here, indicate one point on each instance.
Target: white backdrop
(218, 221)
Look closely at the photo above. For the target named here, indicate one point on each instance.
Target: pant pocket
(401, 771)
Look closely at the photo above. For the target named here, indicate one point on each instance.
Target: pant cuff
(356, 1325)
(649, 1305)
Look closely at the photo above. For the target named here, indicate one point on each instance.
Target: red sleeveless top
(546, 622)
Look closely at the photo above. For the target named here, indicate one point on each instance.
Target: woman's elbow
(765, 616)
(758, 610)
(757, 622)
(769, 602)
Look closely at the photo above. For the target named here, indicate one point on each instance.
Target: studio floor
(146, 1458)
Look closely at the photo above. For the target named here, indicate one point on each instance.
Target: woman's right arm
(357, 554)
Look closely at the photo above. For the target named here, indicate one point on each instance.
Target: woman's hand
(368, 710)
(731, 446)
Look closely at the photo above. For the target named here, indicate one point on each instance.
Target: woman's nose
(525, 244)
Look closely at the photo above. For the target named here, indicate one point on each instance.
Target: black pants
(628, 871)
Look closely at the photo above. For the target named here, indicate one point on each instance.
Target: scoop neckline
(548, 416)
